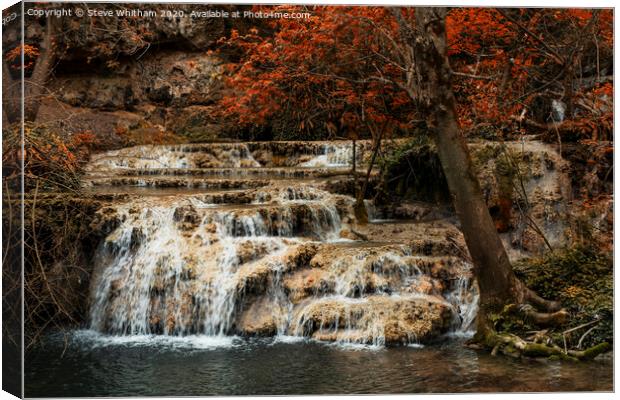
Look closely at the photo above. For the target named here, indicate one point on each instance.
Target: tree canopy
(343, 68)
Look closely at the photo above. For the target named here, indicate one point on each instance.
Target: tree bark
(34, 85)
(360, 208)
(11, 97)
(429, 84)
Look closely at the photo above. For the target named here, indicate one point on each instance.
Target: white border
(480, 3)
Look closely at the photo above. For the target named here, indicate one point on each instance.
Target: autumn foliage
(49, 160)
(323, 76)
(13, 57)
(526, 59)
(515, 71)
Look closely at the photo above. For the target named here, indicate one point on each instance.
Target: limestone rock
(259, 319)
(376, 319)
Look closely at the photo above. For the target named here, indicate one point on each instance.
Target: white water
(94, 339)
(199, 271)
(333, 155)
(177, 266)
(176, 157)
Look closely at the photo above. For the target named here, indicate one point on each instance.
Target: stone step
(164, 181)
(318, 219)
(234, 155)
(360, 290)
(126, 192)
(379, 320)
(267, 172)
(277, 147)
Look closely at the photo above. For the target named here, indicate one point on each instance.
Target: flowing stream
(233, 263)
(259, 253)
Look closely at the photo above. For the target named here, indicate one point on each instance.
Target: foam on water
(185, 269)
(288, 339)
(333, 155)
(93, 339)
(355, 346)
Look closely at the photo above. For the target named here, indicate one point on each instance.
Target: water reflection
(92, 367)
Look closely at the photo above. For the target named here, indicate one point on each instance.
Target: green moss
(509, 320)
(413, 171)
(539, 350)
(486, 153)
(582, 280)
(596, 350)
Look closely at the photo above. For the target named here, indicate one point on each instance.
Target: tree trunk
(429, 84)
(568, 89)
(360, 208)
(34, 85)
(11, 97)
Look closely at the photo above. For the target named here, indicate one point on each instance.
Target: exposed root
(545, 319)
(531, 297)
(514, 346)
(528, 313)
(538, 345)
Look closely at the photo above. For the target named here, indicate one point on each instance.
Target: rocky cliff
(128, 79)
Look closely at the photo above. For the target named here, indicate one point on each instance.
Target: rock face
(172, 90)
(159, 69)
(526, 186)
(241, 245)
(528, 190)
(176, 79)
(374, 319)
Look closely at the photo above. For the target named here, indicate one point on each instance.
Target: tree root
(555, 315)
(529, 296)
(546, 319)
(528, 313)
(514, 346)
(539, 345)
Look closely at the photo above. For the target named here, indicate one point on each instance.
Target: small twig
(359, 234)
(584, 336)
(555, 55)
(564, 339)
(472, 76)
(582, 326)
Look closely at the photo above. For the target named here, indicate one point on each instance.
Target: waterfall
(179, 156)
(271, 259)
(178, 265)
(333, 155)
(464, 300)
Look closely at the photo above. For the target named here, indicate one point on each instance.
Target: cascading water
(181, 262)
(274, 259)
(177, 156)
(333, 155)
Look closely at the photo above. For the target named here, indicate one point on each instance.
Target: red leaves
(318, 68)
(345, 60)
(14, 56)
